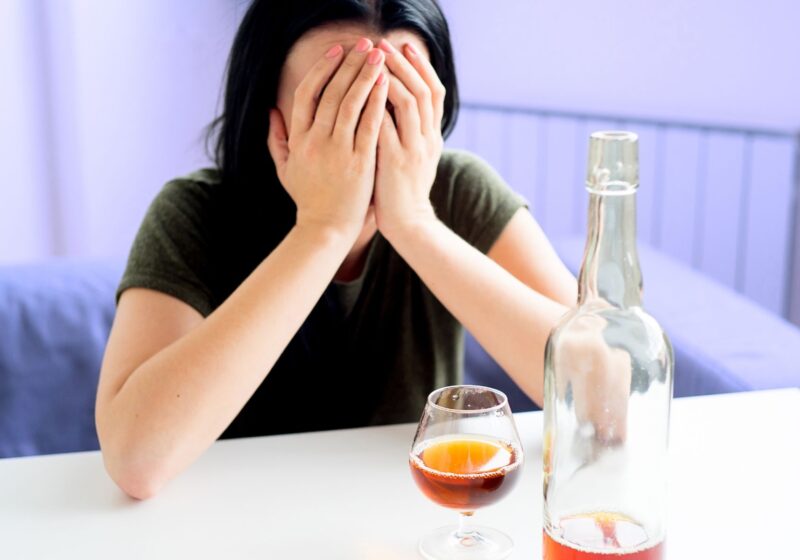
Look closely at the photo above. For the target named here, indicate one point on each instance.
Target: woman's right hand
(327, 161)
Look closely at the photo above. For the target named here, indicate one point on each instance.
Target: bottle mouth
(616, 135)
(613, 162)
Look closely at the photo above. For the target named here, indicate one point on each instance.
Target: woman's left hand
(410, 145)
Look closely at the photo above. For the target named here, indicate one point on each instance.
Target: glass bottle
(607, 386)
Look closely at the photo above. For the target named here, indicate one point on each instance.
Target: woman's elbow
(138, 485)
(124, 463)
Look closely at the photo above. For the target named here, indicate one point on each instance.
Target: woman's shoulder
(457, 163)
(472, 198)
(201, 181)
(463, 176)
(204, 176)
(188, 192)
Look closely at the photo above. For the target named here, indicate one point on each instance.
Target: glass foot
(483, 543)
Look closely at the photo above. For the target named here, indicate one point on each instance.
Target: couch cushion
(54, 319)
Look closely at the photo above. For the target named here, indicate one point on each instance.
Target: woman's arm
(510, 307)
(523, 250)
(502, 310)
(171, 382)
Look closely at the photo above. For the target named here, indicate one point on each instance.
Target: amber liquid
(601, 536)
(465, 472)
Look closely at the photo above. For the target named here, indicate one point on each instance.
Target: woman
(320, 281)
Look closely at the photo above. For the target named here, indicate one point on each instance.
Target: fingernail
(411, 50)
(386, 46)
(381, 79)
(374, 56)
(363, 45)
(333, 51)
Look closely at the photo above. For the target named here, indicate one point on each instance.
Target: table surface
(735, 465)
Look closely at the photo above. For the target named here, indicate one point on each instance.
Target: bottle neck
(610, 269)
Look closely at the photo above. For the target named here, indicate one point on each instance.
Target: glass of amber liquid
(466, 455)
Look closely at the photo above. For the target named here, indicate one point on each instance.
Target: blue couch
(54, 321)
(55, 317)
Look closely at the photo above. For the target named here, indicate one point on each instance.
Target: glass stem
(464, 530)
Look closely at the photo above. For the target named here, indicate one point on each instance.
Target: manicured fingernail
(386, 46)
(334, 51)
(411, 50)
(363, 45)
(381, 79)
(374, 56)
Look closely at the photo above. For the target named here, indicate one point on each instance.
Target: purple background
(103, 101)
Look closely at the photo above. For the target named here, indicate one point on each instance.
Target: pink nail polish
(333, 51)
(386, 46)
(411, 50)
(363, 45)
(374, 56)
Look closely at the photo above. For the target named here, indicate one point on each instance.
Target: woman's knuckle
(360, 165)
(308, 150)
(347, 111)
(367, 77)
(407, 103)
(328, 101)
(351, 63)
(334, 140)
(301, 91)
(370, 126)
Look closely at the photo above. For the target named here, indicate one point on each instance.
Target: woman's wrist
(328, 228)
(329, 236)
(404, 230)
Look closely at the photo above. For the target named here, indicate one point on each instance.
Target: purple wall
(23, 226)
(726, 61)
(107, 100)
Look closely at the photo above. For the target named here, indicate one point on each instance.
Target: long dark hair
(256, 213)
(267, 33)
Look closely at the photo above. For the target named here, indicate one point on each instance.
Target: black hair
(254, 213)
(269, 30)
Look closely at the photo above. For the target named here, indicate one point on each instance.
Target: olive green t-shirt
(373, 348)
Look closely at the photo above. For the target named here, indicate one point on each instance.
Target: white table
(348, 494)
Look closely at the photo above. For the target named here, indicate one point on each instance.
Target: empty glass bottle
(608, 386)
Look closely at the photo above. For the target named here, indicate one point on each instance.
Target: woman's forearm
(177, 402)
(509, 319)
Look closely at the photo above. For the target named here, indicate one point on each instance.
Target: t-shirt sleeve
(479, 203)
(170, 253)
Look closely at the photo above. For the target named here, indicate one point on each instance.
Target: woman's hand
(327, 163)
(600, 377)
(410, 145)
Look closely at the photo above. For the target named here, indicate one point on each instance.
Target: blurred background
(103, 101)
